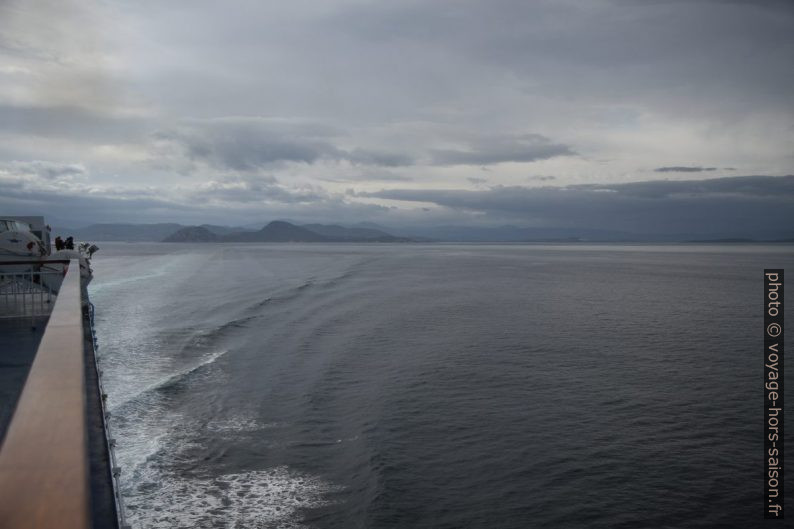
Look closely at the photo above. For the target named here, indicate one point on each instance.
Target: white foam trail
(237, 425)
(260, 498)
(126, 397)
(157, 496)
(100, 286)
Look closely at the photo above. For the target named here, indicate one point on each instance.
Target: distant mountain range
(283, 231)
(280, 231)
(193, 234)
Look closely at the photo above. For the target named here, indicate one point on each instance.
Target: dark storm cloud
(381, 158)
(246, 144)
(517, 198)
(70, 211)
(57, 205)
(742, 186)
(683, 169)
(498, 149)
(255, 189)
(249, 144)
(727, 206)
(231, 201)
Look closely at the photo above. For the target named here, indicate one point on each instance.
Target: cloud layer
(337, 108)
(755, 207)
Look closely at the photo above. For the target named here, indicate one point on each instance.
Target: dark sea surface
(436, 386)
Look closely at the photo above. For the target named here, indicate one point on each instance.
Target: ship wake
(261, 498)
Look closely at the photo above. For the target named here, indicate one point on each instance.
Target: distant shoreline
(282, 231)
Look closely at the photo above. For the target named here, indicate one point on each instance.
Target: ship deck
(55, 466)
(19, 341)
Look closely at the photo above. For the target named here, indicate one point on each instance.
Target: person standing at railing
(69, 243)
(58, 244)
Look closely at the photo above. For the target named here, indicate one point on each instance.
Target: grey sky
(395, 112)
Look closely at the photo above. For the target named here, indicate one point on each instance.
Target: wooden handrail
(43, 459)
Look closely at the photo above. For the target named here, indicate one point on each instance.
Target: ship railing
(27, 287)
(44, 468)
(45, 464)
(115, 469)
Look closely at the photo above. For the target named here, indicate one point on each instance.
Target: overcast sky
(397, 112)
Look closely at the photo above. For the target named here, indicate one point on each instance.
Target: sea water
(435, 385)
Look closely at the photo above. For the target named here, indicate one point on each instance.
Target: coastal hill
(276, 231)
(193, 234)
(280, 231)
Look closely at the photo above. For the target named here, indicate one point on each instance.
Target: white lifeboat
(20, 244)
